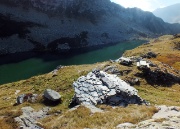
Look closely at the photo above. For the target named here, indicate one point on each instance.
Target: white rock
(17, 91)
(93, 108)
(125, 126)
(104, 85)
(166, 112)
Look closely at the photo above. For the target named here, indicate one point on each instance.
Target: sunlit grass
(111, 117)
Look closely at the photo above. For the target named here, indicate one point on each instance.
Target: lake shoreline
(20, 56)
(20, 66)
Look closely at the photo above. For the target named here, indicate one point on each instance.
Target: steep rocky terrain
(41, 25)
(170, 14)
(153, 69)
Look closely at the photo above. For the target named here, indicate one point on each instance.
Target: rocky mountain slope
(170, 14)
(41, 25)
(153, 69)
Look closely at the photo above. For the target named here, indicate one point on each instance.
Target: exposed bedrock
(99, 87)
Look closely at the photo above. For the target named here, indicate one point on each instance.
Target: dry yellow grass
(5, 125)
(164, 46)
(111, 117)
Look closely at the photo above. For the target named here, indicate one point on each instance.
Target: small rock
(125, 126)
(150, 55)
(125, 61)
(54, 73)
(17, 91)
(59, 67)
(93, 108)
(132, 81)
(20, 99)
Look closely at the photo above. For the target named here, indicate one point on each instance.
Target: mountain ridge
(169, 14)
(66, 25)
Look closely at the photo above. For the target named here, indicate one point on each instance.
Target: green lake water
(15, 69)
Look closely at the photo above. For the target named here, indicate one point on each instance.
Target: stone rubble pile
(98, 87)
(26, 98)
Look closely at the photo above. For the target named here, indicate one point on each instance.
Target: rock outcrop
(29, 118)
(61, 25)
(150, 55)
(98, 87)
(163, 74)
(165, 118)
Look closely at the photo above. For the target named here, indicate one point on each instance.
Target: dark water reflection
(24, 65)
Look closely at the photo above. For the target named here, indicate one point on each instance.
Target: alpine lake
(20, 66)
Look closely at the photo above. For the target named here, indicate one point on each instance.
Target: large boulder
(99, 87)
(52, 95)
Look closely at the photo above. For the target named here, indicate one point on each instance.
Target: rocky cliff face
(40, 25)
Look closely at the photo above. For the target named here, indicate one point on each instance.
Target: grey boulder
(52, 95)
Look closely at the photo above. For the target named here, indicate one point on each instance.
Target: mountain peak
(169, 14)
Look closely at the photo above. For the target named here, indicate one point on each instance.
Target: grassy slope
(82, 117)
(167, 54)
(165, 48)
